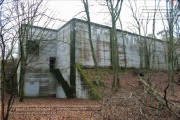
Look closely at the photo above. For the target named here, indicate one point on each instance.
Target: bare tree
(24, 17)
(170, 46)
(15, 30)
(114, 8)
(141, 25)
(9, 38)
(172, 14)
(124, 46)
(86, 7)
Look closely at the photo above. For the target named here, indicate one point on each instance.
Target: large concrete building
(51, 55)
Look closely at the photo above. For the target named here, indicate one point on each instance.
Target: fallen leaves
(124, 104)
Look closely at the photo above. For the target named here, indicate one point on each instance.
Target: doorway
(52, 62)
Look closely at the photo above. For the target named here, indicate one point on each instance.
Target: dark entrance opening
(52, 62)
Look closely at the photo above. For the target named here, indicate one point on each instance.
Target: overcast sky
(65, 10)
(68, 9)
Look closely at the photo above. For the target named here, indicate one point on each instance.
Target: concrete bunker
(53, 53)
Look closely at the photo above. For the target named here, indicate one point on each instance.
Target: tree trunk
(171, 52)
(2, 89)
(21, 79)
(124, 46)
(114, 10)
(115, 57)
(86, 6)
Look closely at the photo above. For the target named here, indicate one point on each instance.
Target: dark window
(52, 62)
(32, 47)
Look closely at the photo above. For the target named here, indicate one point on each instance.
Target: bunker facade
(52, 54)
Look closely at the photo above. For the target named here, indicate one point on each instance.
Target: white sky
(64, 10)
(67, 9)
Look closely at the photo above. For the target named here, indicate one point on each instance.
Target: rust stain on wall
(98, 49)
(122, 60)
(85, 52)
(120, 52)
(98, 52)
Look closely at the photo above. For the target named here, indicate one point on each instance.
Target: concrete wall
(58, 44)
(38, 79)
(177, 55)
(63, 51)
(101, 43)
(36, 84)
(47, 48)
(83, 55)
(81, 88)
(153, 48)
(52, 43)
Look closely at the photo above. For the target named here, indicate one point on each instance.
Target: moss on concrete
(94, 94)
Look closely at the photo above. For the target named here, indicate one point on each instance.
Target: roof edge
(40, 27)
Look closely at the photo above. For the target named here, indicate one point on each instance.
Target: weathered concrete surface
(58, 44)
(63, 51)
(101, 43)
(31, 89)
(38, 79)
(81, 88)
(60, 92)
(177, 55)
(52, 43)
